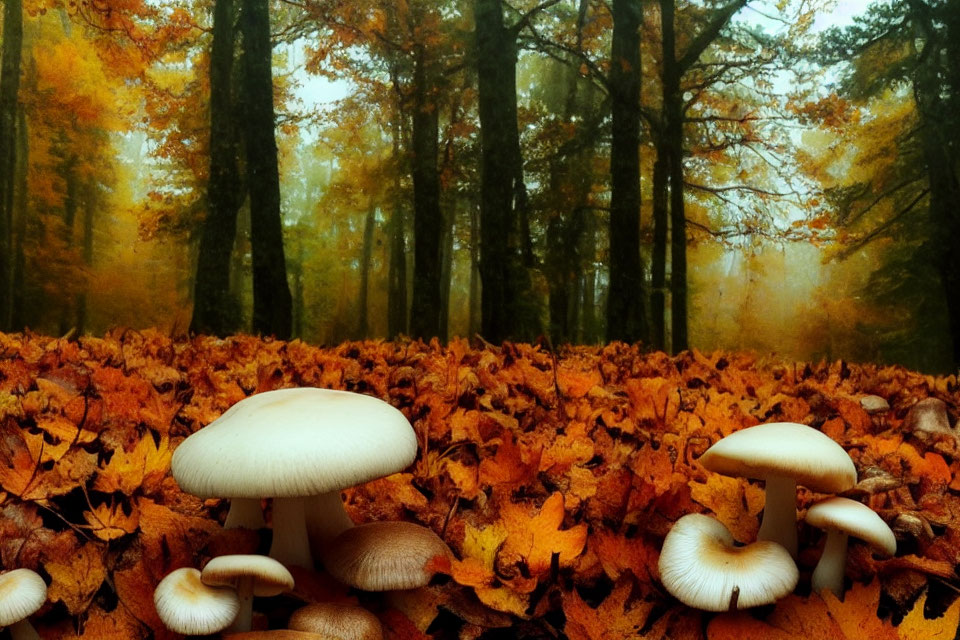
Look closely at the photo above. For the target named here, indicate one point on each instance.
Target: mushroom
(783, 454)
(342, 621)
(842, 518)
(250, 575)
(188, 606)
(290, 444)
(22, 593)
(385, 556)
(702, 568)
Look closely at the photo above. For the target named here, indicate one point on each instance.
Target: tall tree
(506, 310)
(9, 104)
(625, 309)
(215, 310)
(670, 159)
(272, 302)
(425, 320)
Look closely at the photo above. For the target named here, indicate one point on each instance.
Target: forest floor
(553, 476)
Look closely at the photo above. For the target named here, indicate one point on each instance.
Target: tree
(215, 310)
(625, 309)
(272, 302)
(505, 251)
(670, 158)
(9, 106)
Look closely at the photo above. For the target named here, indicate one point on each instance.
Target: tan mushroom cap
(294, 443)
(344, 621)
(855, 519)
(382, 556)
(22, 593)
(269, 577)
(188, 606)
(783, 449)
(700, 566)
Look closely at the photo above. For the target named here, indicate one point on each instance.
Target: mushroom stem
(23, 630)
(780, 513)
(829, 571)
(244, 619)
(326, 519)
(244, 513)
(290, 545)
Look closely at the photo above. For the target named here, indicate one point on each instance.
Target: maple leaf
(613, 619)
(535, 539)
(21, 473)
(914, 625)
(109, 522)
(145, 465)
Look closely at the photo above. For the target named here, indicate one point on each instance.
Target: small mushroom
(385, 556)
(702, 568)
(188, 606)
(250, 575)
(842, 518)
(300, 447)
(874, 404)
(342, 621)
(928, 421)
(22, 593)
(783, 454)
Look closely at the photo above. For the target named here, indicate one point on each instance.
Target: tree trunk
(397, 273)
(272, 303)
(9, 104)
(71, 203)
(215, 309)
(363, 313)
(446, 269)
(476, 317)
(658, 306)
(427, 217)
(505, 295)
(625, 310)
(673, 148)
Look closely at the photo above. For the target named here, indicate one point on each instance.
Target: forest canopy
(776, 176)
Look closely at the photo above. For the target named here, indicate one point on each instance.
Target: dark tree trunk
(625, 310)
(363, 312)
(427, 217)
(89, 211)
(446, 269)
(672, 147)
(215, 309)
(71, 203)
(505, 295)
(272, 303)
(9, 105)
(475, 301)
(658, 306)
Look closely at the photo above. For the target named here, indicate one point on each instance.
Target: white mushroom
(783, 454)
(291, 445)
(250, 575)
(342, 621)
(22, 593)
(842, 518)
(188, 606)
(701, 567)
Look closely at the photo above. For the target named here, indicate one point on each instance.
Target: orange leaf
(535, 539)
(736, 503)
(76, 580)
(109, 522)
(856, 614)
(614, 619)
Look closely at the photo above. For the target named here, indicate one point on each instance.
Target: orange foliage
(553, 478)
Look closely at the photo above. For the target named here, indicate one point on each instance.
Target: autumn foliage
(553, 477)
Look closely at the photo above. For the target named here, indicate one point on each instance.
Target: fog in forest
(521, 170)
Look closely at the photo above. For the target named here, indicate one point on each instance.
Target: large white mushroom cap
(701, 567)
(783, 449)
(295, 442)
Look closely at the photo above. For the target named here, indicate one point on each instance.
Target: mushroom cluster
(299, 447)
(699, 563)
